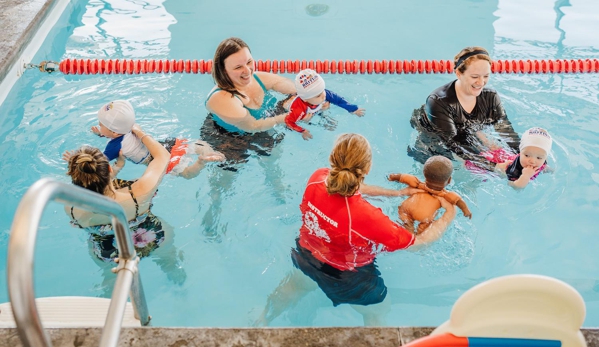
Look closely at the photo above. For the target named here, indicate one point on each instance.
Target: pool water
(233, 231)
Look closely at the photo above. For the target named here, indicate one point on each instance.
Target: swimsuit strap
(74, 220)
(219, 89)
(135, 201)
(260, 82)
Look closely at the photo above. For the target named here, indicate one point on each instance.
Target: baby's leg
(205, 151)
(205, 154)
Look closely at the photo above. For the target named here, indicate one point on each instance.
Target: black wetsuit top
(443, 116)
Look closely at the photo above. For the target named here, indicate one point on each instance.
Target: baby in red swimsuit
(312, 97)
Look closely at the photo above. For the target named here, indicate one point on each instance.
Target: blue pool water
(229, 254)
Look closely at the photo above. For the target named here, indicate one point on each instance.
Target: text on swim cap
(538, 131)
(307, 80)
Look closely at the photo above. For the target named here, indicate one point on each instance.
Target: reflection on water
(131, 29)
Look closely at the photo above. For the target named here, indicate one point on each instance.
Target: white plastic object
(519, 306)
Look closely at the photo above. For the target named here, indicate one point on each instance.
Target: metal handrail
(21, 248)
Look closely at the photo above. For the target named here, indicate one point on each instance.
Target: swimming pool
(230, 257)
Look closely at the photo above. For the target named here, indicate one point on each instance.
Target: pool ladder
(21, 252)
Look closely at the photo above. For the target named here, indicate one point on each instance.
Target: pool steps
(70, 312)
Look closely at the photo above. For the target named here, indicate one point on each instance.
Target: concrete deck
(19, 20)
(263, 337)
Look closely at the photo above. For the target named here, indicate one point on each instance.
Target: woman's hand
(137, 131)
(66, 156)
(409, 191)
(449, 208)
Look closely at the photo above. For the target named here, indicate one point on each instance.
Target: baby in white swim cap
(532, 159)
(312, 97)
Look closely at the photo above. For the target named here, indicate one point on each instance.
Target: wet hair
(464, 63)
(350, 160)
(437, 170)
(89, 168)
(225, 49)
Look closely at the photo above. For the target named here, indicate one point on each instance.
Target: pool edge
(24, 43)
(271, 337)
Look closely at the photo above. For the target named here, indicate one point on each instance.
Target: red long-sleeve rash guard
(346, 232)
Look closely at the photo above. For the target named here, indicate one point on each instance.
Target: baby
(532, 159)
(116, 120)
(422, 207)
(312, 97)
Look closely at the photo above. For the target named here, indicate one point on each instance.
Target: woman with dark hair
(243, 110)
(89, 168)
(342, 234)
(456, 114)
(241, 106)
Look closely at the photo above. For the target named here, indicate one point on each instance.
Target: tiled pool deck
(19, 20)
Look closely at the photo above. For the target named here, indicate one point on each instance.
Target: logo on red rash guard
(311, 222)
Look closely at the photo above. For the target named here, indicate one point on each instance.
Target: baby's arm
(297, 113)
(336, 99)
(96, 130)
(524, 178)
(118, 165)
(394, 177)
(410, 180)
(462, 205)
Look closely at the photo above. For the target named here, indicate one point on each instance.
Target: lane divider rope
(131, 66)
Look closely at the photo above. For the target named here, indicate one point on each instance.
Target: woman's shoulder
(222, 101)
(443, 91)
(263, 76)
(219, 94)
(489, 91)
(320, 173)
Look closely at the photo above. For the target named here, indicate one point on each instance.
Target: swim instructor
(342, 234)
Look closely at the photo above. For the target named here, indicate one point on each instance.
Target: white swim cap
(537, 137)
(118, 116)
(308, 84)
